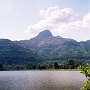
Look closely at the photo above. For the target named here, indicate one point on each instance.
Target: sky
(24, 19)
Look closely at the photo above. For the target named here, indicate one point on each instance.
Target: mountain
(48, 47)
(44, 48)
(11, 53)
(34, 42)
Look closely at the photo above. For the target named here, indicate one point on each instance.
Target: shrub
(86, 85)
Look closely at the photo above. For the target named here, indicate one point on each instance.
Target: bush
(86, 85)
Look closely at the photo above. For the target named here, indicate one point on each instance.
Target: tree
(1, 67)
(56, 66)
(86, 70)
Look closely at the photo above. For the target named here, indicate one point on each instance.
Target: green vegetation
(86, 70)
(69, 64)
(86, 85)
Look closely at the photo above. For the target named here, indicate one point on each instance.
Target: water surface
(41, 80)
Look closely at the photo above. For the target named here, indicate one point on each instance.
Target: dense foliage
(86, 85)
(70, 64)
(86, 70)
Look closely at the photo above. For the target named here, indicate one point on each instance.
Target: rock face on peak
(44, 34)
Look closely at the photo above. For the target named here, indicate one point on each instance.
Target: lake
(41, 80)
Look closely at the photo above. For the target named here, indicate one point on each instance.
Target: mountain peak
(45, 34)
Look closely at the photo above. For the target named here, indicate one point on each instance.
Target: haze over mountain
(43, 48)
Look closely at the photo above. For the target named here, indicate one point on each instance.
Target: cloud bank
(62, 22)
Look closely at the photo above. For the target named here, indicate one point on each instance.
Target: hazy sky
(23, 19)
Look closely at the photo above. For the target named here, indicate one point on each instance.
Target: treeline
(70, 64)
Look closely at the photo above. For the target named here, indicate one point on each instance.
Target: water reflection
(41, 80)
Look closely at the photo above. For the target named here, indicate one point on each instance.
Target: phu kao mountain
(44, 48)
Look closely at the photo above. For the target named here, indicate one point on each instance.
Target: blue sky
(17, 15)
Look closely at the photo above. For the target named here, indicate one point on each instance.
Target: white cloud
(63, 22)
